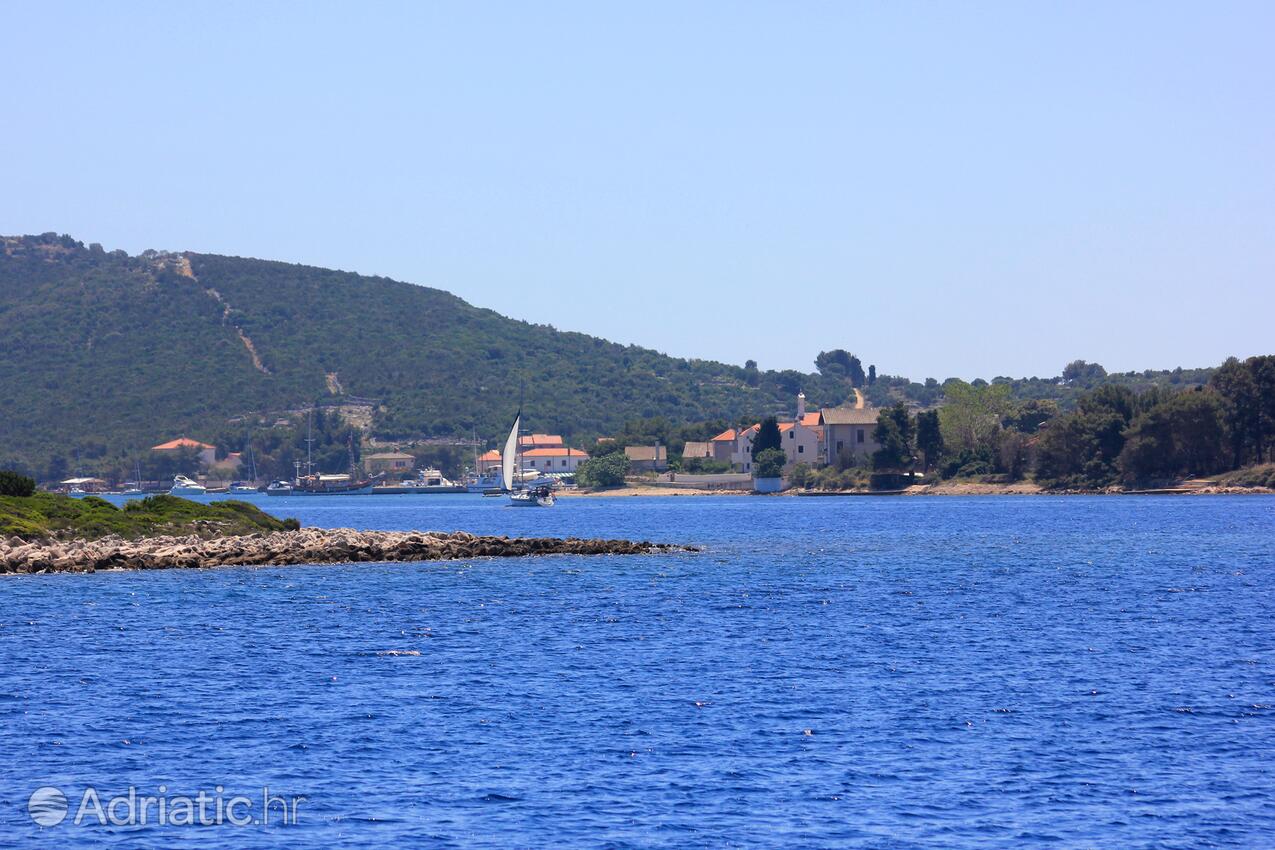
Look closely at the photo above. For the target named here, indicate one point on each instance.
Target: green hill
(106, 354)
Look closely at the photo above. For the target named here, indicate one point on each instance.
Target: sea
(945, 672)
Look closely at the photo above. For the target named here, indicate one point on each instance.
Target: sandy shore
(306, 546)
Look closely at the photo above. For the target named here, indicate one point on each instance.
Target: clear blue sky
(945, 189)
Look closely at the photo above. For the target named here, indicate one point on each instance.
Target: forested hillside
(107, 354)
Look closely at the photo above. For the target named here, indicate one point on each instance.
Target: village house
(555, 460)
(848, 431)
(540, 441)
(207, 454)
(647, 458)
(389, 462)
(488, 462)
(801, 439)
(697, 450)
(723, 445)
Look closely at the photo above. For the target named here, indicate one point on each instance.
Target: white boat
(183, 486)
(430, 480)
(279, 488)
(241, 487)
(135, 487)
(540, 497)
(523, 497)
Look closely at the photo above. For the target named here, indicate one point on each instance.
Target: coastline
(304, 546)
(947, 488)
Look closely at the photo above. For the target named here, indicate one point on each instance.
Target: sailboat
(136, 489)
(247, 486)
(537, 497)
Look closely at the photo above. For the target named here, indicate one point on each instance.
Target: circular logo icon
(47, 806)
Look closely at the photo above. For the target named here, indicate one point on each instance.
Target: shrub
(606, 471)
(769, 463)
(13, 484)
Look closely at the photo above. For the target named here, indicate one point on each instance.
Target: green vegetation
(1253, 476)
(768, 437)
(13, 484)
(769, 463)
(929, 438)
(895, 433)
(106, 355)
(46, 515)
(606, 470)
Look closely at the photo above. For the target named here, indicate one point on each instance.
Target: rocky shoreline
(306, 546)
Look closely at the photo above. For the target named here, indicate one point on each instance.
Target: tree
(1085, 373)
(972, 416)
(13, 484)
(1181, 436)
(1241, 407)
(605, 471)
(769, 463)
(872, 375)
(1028, 416)
(893, 434)
(840, 363)
(1080, 449)
(929, 437)
(768, 437)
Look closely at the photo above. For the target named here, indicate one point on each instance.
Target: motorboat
(183, 486)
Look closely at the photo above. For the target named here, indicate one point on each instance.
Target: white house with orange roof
(207, 454)
(489, 461)
(802, 441)
(550, 460)
(540, 441)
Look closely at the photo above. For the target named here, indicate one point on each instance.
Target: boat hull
(363, 490)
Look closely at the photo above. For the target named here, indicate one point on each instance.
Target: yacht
(183, 486)
(427, 480)
(242, 487)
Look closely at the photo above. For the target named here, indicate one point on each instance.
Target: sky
(945, 189)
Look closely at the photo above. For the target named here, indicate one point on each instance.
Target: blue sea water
(878, 673)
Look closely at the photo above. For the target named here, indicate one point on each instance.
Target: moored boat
(183, 486)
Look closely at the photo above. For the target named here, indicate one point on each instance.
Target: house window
(801, 450)
(791, 434)
(838, 447)
(859, 438)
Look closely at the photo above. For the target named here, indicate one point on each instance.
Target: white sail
(509, 457)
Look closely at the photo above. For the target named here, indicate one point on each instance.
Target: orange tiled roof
(490, 454)
(181, 443)
(810, 420)
(555, 452)
(541, 441)
(726, 436)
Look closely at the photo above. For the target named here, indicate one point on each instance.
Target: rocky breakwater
(305, 546)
